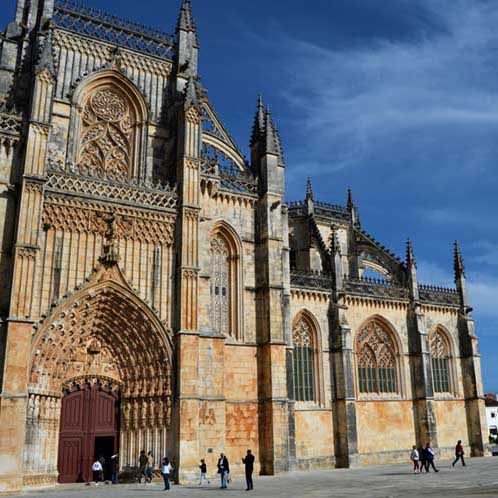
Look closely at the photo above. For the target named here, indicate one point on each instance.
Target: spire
(259, 122)
(270, 137)
(350, 200)
(186, 20)
(410, 257)
(309, 190)
(458, 261)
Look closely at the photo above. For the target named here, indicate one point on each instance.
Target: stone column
(344, 406)
(186, 413)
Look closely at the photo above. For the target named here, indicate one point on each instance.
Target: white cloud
(429, 99)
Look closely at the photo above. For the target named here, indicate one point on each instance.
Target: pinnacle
(309, 190)
(271, 139)
(350, 199)
(458, 262)
(186, 19)
(410, 257)
(259, 122)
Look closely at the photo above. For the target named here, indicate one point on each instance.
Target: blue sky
(396, 99)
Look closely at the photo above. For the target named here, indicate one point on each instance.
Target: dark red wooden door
(88, 413)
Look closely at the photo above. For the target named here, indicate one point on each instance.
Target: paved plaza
(478, 479)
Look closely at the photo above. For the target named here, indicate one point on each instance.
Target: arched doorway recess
(102, 335)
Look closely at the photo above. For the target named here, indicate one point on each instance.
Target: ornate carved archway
(103, 332)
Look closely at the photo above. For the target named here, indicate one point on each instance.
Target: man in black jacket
(223, 470)
(248, 461)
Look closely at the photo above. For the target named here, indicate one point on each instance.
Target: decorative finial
(410, 257)
(309, 190)
(350, 200)
(458, 261)
(259, 122)
(186, 21)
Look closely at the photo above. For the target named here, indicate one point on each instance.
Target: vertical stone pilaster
(13, 401)
(472, 385)
(421, 376)
(344, 409)
(187, 403)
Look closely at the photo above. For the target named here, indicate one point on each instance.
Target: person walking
(97, 470)
(115, 468)
(203, 469)
(223, 470)
(166, 472)
(430, 456)
(459, 454)
(142, 466)
(415, 458)
(149, 472)
(248, 462)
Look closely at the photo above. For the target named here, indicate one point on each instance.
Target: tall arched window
(304, 362)
(220, 285)
(108, 130)
(440, 359)
(226, 282)
(376, 359)
(106, 140)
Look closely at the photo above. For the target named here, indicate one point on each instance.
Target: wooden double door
(89, 430)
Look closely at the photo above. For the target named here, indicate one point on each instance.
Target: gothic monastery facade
(159, 292)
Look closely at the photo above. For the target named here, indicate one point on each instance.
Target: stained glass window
(376, 359)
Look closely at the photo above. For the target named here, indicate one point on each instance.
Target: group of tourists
(146, 470)
(98, 469)
(424, 458)
(224, 470)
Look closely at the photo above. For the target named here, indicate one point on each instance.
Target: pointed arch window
(220, 285)
(440, 360)
(304, 361)
(108, 128)
(376, 358)
(226, 283)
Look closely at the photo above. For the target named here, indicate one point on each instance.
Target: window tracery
(440, 360)
(303, 360)
(220, 285)
(377, 370)
(107, 135)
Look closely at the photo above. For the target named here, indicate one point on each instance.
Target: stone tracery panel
(107, 136)
(376, 359)
(440, 360)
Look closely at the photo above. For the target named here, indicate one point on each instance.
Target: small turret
(259, 123)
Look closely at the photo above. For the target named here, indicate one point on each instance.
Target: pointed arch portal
(104, 357)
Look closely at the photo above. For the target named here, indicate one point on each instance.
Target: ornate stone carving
(301, 334)
(438, 345)
(376, 345)
(106, 141)
(220, 281)
(74, 216)
(146, 195)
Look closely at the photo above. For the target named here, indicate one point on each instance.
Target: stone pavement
(478, 479)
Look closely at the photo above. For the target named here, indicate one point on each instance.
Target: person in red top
(459, 453)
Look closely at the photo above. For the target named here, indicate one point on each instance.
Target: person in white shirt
(415, 458)
(166, 472)
(97, 470)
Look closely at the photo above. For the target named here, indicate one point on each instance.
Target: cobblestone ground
(478, 479)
